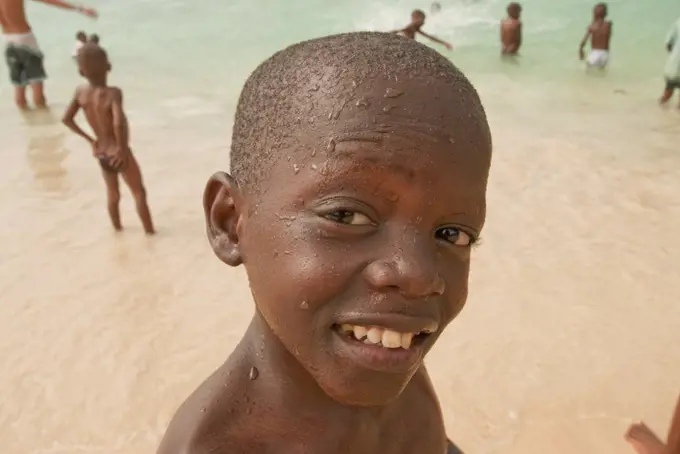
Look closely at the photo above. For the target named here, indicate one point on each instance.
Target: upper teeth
(376, 335)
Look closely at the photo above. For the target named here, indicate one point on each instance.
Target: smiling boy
(359, 165)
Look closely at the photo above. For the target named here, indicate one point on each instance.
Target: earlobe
(221, 203)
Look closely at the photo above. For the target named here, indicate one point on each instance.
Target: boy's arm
(583, 43)
(436, 40)
(70, 6)
(69, 119)
(120, 123)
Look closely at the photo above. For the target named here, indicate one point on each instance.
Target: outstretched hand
(644, 441)
(448, 46)
(89, 12)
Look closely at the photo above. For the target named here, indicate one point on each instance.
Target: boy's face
(514, 11)
(360, 240)
(600, 11)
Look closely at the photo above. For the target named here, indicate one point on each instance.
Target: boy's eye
(454, 236)
(348, 217)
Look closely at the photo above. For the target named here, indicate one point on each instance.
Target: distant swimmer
(644, 441)
(103, 107)
(417, 22)
(22, 53)
(600, 34)
(511, 30)
(672, 70)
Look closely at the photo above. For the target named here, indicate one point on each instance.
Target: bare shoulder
(115, 93)
(209, 421)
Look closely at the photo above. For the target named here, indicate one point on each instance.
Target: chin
(363, 392)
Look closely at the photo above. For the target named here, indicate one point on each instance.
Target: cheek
(457, 275)
(293, 274)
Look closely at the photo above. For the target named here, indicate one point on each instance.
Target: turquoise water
(194, 55)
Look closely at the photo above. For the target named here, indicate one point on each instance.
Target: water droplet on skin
(393, 93)
(330, 115)
(452, 140)
(202, 410)
(313, 166)
(296, 169)
(388, 108)
(362, 102)
(249, 410)
(287, 158)
(330, 147)
(314, 88)
(286, 252)
(393, 197)
(254, 373)
(313, 152)
(304, 305)
(354, 83)
(312, 120)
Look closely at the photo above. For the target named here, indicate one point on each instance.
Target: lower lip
(375, 357)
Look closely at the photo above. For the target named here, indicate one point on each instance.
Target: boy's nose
(412, 271)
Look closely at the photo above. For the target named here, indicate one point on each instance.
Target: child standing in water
(416, 25)
(600, 34)
(672, 70)
(103, 107)
(357, 249)
(511, 30)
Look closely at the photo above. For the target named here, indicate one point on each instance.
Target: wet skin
(371, 223)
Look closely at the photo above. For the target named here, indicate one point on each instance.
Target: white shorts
(598, 58)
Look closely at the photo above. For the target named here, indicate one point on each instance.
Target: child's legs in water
(113, 197)
(133, 178)
(671, 86)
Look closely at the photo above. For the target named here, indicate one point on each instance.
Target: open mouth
(381, 337)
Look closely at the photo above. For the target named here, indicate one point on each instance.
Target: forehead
(410, 130)
(404, 108)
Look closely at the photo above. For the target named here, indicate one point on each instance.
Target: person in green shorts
(672, 70)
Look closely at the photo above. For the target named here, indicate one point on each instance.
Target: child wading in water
(672, 69)
(354, 215)
(103, 107)
(600, 34)
(511, 30)
(416, 25)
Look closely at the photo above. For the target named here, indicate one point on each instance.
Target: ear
(222, 203)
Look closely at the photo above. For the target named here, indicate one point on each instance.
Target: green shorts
(25, 65)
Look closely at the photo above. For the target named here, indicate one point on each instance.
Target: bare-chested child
(103, 107)
(600, 34)
(354, 216)
(511, 30)
(416, 25)
(644, 441)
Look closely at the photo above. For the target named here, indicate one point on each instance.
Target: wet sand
(571, 329)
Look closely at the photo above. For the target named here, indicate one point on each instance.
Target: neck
(98, 82)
